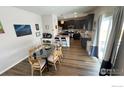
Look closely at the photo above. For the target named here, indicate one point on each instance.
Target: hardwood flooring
(76, 62)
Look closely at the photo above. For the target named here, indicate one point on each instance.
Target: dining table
(45, 52)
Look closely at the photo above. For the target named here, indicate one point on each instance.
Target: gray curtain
(118, 63)
(94, 49)
(112, 46)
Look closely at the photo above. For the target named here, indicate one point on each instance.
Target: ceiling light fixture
(75, 14)
(62, 21)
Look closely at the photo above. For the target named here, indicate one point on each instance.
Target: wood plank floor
(76, 62)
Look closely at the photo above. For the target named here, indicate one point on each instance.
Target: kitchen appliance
(47, 35)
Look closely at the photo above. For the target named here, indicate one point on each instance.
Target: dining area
(56, 60)
(43, 56)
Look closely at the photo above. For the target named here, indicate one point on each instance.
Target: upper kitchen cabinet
(90, 19)
(86, 21)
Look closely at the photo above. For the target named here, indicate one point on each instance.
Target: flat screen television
(22, 30)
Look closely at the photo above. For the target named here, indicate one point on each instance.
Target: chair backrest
(59, 49)
(31, 60)
(31, 57)
(31, 50)
(63, 38)
(56, 37)
(39, 46)
(55, 53)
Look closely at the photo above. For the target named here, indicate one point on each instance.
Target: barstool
(57, 39)
(64, 41)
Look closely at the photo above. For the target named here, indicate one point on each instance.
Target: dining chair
(54, 58)
(60, 53)
(36, 63)
(39, 46)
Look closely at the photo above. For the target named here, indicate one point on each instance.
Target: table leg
(47, 64)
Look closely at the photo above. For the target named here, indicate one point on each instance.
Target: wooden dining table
(46, 51)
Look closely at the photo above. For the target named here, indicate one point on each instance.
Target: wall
(47, 21)
(14, 49)
(51, 21)
(55, 23)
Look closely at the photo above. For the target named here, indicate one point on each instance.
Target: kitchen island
(67, 42)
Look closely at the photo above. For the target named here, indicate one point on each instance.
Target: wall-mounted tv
(22, 30)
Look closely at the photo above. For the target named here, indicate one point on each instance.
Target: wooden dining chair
(60, 53)
(36, 63)
(54, 58)
(39, 46)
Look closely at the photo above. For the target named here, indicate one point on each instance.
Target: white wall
(51, 21)
(55, 23)
(13, 49)
(47, 21)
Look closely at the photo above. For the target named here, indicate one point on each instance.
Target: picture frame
(38, 34)
(37, 26)
(22, 29)
(56, 26)
(47, 27)
(1, 28)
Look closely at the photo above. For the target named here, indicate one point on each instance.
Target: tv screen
(22, 30)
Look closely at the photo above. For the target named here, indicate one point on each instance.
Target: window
(105, 29)
(121, 33)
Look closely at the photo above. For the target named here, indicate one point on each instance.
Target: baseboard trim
(13, 65)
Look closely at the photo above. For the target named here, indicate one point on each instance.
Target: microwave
(47, 35)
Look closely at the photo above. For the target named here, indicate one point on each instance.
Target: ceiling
(63, 12)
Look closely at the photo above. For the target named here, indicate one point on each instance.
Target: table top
(45, 51)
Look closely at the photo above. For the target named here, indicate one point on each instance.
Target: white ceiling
(61, 11)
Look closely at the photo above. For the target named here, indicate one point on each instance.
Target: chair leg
(59, 60)
(55, 66)
(61, 57)
(40, 73)
(32, 71)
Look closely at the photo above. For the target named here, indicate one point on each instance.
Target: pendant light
(62, 17)
(62, 21)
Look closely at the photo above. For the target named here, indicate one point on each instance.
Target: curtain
(112, 45)
(118, 63)
(94, 48)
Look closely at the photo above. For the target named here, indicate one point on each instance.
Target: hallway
(76, 62)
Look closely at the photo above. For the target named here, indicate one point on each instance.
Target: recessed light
(75, 13)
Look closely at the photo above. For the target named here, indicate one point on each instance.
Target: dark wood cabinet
(84, 42)
(86, 21)
(90, 22)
